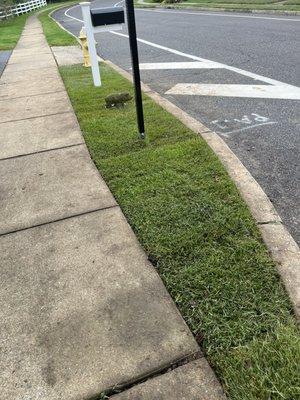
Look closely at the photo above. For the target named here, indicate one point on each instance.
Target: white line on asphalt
(119, 2)
(77, 5)
(228, 67)
(219, 15)
(226, 134)
(179, 65)
(70, 16)
(255, 91)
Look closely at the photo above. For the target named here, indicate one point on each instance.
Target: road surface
(236, 73)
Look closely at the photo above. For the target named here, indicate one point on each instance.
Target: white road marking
(226, 134)
(288, 91)
(232, 125)
(70, 16)
(80, 20)
(257, 91)
(228, 67)
(186, 55)
(179, 65)
(119, 2)
(219, 15)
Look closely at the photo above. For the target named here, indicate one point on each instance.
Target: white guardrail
(22, 8)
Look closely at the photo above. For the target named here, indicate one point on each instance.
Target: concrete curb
(282, 247)
(142, 4)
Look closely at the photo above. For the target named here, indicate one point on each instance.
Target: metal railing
(22, 8)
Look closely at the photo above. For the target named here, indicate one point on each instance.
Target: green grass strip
(54, 34)
(199, 235)
(10, 31)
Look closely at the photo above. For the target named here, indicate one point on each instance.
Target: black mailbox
(107, 16)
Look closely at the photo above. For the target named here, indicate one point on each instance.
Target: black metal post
(135, 66)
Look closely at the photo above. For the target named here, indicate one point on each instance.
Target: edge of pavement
(282, 247)
(188, 6)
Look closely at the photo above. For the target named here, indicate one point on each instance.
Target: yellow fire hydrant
(85, 48)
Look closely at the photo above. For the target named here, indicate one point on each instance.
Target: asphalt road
(4, 57)
(261, 53)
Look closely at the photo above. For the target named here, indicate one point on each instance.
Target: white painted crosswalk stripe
(286, 92)
(272, 90)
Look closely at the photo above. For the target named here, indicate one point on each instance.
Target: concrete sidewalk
(82, 309)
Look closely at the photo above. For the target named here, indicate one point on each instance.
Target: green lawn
(199, 235)
(244, 5)
(10, 31)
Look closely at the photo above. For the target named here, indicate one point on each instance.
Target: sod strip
(54, 34)
(199, 234)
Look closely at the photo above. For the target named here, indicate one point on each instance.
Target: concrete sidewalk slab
(29, 75)
(32, 40)
(48, 186)
(32, 65)
(34, 106)
(67, 55)
(30, 58)
(24, 46)
(38, 32)
(84, 310)
(32, 28)
(193, 381)
(39, 134)
(32, 31)
(33, 52)
(36, 87)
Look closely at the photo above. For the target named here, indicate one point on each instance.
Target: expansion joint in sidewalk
(36, 116)
(4, 98)
(122, 387)
(42, 151)
(59, 220)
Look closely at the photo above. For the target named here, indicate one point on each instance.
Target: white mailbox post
(99, 20)
(112, 19)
